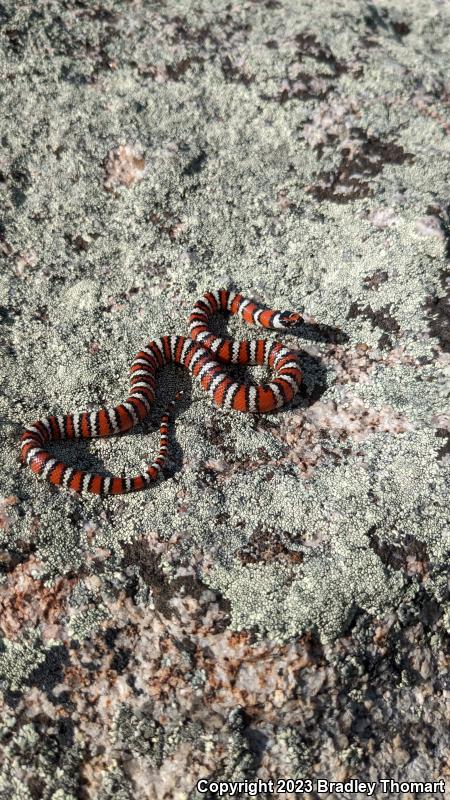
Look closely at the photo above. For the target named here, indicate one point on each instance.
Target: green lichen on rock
(140, 170)
(418, 395)
(87, 622)
(19, 659)
(332, 518)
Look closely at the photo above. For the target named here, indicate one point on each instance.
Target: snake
(205, 355)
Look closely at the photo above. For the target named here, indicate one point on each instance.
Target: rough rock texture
(279, 605)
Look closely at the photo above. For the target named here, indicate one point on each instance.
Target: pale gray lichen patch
(19, 659)
(223, 192)
(340, 571)
(417, 394)
(86, 622)
(218, 132)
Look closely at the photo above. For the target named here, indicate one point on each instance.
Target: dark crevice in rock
(120, 660)
(438, 312)
(50, 672)
(267, 546)
(233, 72)
(17, 553)
(367, 159)
(310, 47)
(309, 85)
(378, 18)
(196, 164)
(444, 434)
(442, 213)
(139, 555)
(375, 280)
(381, 318)
(396, 555)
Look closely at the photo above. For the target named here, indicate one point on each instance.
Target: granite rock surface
(278, 605)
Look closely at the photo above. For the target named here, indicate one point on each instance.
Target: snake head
(289, 319)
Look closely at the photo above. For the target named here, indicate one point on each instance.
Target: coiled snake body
(203, 354)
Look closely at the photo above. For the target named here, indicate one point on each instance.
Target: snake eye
(290, 318)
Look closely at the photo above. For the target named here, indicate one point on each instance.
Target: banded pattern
(203, 354)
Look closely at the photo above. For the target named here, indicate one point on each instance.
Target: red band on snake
(204, 354)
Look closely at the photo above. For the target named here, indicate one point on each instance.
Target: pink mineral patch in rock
(235, 670)
(304, 430)
(429, 226)
(164, 655)
(24, 260)
(283, 199)
(216, 464)
(331, 120)
(124, 166)
(425, 102)
(441, 421)
(354, 365)
(5, 502)
(26, 602)
(383, 217)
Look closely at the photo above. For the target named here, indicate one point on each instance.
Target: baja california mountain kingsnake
(201, 354)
